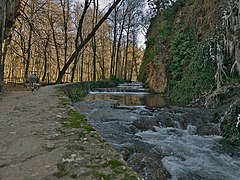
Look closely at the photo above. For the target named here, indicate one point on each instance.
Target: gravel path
(32, 145)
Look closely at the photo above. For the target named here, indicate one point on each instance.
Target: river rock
(208, 129)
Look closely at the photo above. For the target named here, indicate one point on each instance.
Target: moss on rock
(229, 128)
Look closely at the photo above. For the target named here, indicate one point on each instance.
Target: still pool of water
(129, 99)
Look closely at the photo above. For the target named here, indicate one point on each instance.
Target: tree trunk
(45, 60)
(113, 56)
(119, 44)
(118, 52)
(94, 42)
(83, 43)
(1, 42)
(65, 11)
(56, 47)
(28, 54)
(126, 54)
(82, 64)
(79, 35)
(133, 58)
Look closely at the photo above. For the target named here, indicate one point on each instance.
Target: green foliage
(77, 91)
(76, 95)
(182, 53)
(116, 80)
(229, 131)
(169, 13)
(192, 69)
(61, 171)
(114, 164)
(159, 38)
(156, 43)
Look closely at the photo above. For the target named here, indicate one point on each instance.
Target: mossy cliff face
(193, 52)
(192, 49)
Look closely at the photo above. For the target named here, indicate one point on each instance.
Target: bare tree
(79, 36)
(85, 41)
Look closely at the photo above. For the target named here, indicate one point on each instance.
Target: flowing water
(161, 141)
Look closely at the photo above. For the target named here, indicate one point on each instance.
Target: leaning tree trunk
(83, 43)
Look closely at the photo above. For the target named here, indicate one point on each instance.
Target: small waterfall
(126, 88)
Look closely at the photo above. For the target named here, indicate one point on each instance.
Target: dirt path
(8, 101)
(33, 144)
(24, 130)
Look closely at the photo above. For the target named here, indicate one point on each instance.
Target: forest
(67, 40)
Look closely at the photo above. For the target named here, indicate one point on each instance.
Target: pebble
(47, 166)
(59, 116)
(14, 132)
(50, 145)
(73, 155)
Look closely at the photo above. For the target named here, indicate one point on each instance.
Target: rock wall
(156, 77)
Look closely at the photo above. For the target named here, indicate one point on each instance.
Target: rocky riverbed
(162, 141)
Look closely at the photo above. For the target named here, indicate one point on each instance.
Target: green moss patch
(61, 171)
(76, 120)
(229, 129)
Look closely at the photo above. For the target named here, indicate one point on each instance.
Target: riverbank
(161, 141)
(40, 141)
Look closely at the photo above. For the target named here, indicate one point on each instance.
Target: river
(160, 141)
